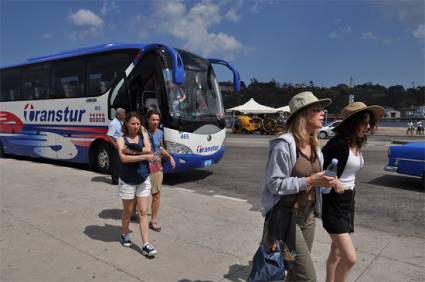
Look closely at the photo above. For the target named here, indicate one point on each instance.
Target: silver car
(326, 131)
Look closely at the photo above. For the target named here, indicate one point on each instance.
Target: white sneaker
(149, 250)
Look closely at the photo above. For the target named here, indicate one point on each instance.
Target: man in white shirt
(114, 132)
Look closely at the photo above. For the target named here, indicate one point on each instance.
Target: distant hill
(276, 95)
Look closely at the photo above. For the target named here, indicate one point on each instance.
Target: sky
(326, 42)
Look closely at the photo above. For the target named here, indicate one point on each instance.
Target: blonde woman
(290, 195)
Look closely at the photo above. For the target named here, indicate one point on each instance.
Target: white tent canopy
(252, 107)
(283, 109)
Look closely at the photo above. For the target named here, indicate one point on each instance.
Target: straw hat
(303, 100)
(357, 107)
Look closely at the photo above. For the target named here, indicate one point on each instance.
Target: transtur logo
(67, 115)
(29, 110)
(201, 149)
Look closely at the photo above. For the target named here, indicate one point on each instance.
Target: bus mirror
(236, 76)
(178, 67)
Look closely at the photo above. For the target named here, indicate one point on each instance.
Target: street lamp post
(326, 117)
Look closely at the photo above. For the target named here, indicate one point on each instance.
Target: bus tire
(102, 158)
(2, 154)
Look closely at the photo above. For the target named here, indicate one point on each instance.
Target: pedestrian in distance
(338, 206)
(134, 150)
(410, 128)
(419, 128)
(156, 170)
(290, 190)
(115, 132)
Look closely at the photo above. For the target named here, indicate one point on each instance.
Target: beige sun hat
(303, 100)
(357, 107)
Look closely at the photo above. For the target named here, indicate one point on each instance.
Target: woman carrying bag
(290, 190)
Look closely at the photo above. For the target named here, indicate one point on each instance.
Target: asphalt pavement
(63, 223)
(384, 201)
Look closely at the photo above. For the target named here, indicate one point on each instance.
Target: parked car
(326, 131)
(407, 159)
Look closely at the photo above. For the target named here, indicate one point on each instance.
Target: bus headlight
(177, 148)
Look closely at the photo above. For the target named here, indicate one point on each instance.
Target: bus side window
(35, 82)
(104, 70)
(68, 79)
(10, 84)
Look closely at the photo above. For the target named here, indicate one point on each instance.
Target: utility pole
(351, 97)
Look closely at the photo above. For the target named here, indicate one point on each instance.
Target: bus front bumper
(191, 161)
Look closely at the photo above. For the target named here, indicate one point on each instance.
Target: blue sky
(326, 42)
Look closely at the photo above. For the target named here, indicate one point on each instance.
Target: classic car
(326, 131)
(407, 159)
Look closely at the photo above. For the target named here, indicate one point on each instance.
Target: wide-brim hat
(357, 107)
(303, 100)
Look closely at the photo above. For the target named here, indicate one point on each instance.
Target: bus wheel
(103, 158)
(2, 155)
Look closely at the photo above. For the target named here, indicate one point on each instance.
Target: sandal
(155, 227)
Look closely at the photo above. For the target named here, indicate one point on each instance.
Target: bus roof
(78, 52)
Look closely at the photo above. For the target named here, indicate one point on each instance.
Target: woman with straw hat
(338, 209)
(290, 195)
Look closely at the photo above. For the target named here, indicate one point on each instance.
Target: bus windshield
(197, 99)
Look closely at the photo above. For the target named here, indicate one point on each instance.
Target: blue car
(407, 159)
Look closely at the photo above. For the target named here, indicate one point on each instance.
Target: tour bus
(59, 106)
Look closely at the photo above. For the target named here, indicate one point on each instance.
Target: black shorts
(338, 212)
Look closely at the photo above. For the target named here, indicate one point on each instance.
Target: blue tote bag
(267, 265)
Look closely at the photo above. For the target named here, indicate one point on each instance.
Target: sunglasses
(318, 108)
(365, 122)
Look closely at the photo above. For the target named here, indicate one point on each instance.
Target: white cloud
(340, 32)
(82, 34)
(403, 15)
(192, 26)
(419, 32)
(86, 18)
(255, 8)
(410, 13)
(368, 36)
(109, 7)
(257, 4)
(388, 41)
(140, 21)
(91, 25)
(47, 35)
(233, 13)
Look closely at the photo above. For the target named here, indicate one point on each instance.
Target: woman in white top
(338, 205)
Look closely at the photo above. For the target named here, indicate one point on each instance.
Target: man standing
(114, 132)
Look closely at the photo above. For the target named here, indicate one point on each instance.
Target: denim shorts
(128, 192)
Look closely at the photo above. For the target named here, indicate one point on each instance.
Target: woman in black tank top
(134, 150)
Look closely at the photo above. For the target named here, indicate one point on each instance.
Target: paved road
(384, 201)
(62, 223)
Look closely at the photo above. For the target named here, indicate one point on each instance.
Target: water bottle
(331, 170)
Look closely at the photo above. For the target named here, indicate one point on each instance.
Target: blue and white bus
(59, 106)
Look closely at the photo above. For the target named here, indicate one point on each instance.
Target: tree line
(275, 95)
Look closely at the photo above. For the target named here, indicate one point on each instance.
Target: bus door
(146, 85)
